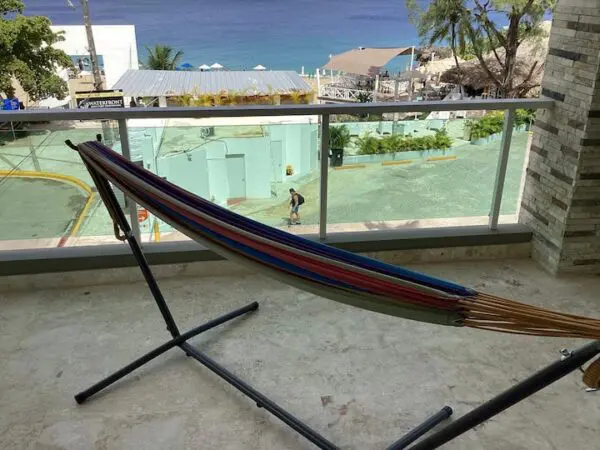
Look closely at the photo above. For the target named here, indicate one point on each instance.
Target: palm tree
(445, 21)
(162, 57)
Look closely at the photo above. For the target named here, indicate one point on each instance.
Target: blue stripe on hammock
(281, 236)
(254, 254)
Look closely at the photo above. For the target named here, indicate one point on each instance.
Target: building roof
(365, 61)
(158, 83)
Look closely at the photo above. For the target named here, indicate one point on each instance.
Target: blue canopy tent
(185, 66)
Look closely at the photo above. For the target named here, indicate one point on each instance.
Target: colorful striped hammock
(326, 271)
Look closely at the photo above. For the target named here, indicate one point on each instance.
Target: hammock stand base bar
(513, 395)
(180, 339)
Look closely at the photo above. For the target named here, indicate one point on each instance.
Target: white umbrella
(204, 67)
(260, 67)
(216, 66)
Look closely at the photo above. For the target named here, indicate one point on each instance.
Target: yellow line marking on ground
(441, 158)
(351, 166)
(82, 214)
(156, 230)
(396, 163)
(59, 177)
(47, 175)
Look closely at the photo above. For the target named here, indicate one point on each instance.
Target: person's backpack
(300, 200)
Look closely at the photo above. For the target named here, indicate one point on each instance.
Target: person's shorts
(295, 209)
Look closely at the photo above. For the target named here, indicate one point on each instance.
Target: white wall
(116, 43)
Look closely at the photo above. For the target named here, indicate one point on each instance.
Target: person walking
(296, 199)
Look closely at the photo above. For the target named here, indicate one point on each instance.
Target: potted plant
(339, 138)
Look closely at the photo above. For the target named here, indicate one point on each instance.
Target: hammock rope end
(591, 375)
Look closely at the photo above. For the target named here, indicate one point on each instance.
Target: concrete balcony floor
(360, 378)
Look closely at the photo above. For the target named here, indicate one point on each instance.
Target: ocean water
(279, 34)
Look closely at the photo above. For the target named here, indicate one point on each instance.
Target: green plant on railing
(232, 97)
(297, 96)
(339, 137)
(371, 145)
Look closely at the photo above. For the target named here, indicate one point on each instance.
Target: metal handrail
(324, 111)
(32, 115)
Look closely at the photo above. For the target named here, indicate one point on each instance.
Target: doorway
(236, 175)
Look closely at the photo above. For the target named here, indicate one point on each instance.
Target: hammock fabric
(326, 271)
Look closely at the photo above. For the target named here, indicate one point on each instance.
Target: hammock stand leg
(421, 429)
(511, 396)
(180, 339)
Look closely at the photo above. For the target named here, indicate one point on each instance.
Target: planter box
(487, 139)
(498, 136)
(397, 156)
(521, 128)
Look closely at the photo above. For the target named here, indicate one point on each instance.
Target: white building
(116, 47)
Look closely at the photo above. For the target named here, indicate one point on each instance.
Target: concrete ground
(24, 200)
(422, 190)
(360, 378)
(47, 209)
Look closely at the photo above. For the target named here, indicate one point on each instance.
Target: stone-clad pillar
(561, 198)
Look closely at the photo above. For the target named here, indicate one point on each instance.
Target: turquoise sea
(279, 34)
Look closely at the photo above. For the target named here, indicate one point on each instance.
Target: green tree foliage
(476, 28)
(442, 21)
(26, 53)
(162, 57)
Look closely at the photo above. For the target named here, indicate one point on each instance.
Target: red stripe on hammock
(356, 279)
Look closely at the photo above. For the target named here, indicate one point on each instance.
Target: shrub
(489, 124)
(443, 141)
(390, 143)
(524, 117)
(493, 122)
(370, 145)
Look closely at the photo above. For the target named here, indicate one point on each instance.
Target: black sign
(100, 99)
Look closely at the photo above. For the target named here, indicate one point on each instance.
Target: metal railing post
(324, 175)
(124, 137)
(509, 116)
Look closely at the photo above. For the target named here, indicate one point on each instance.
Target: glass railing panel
(47, 197)
(245, 165)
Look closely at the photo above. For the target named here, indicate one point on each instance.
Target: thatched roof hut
(425, 54)
(531, 56)
(439, 66)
